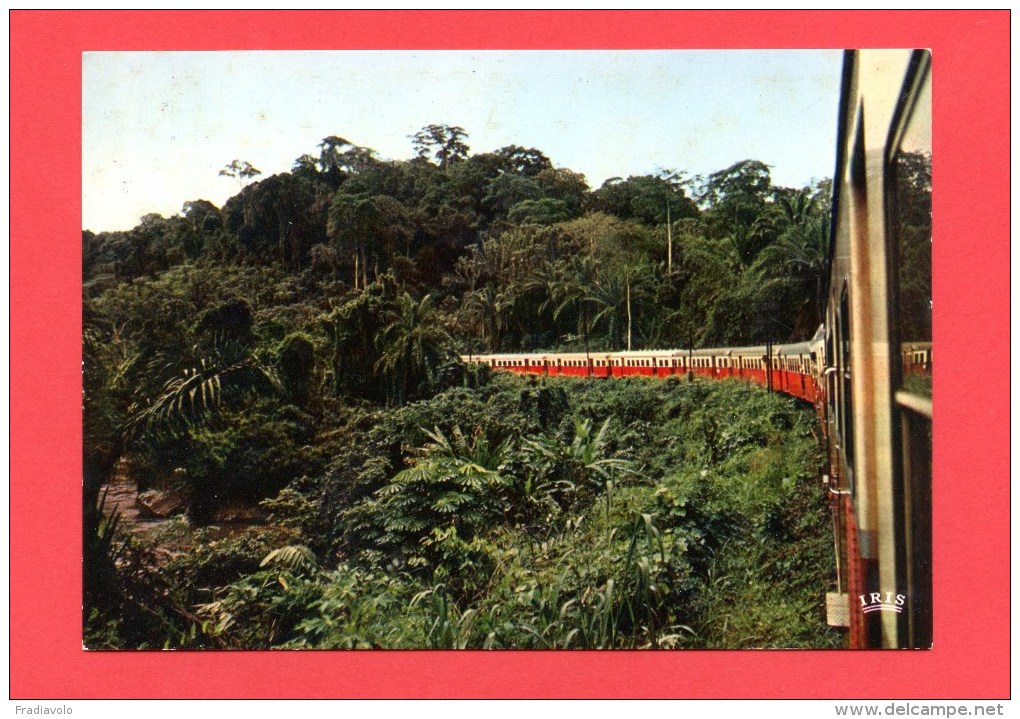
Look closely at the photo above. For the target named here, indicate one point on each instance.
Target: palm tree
(412, 347)
(197, 396)
(799, 260)
(227, 376)
(617, 293)
(572, 293)
(488, 307)
(611, 298)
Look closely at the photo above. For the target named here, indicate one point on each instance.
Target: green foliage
(293, 557)
(411, 347)
(297, 366)
(296, 350)
(579, 514)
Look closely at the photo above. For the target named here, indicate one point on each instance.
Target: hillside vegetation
(296, 351)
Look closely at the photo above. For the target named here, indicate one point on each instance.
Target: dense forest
(291, 359)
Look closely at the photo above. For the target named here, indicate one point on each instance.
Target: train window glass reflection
(911, 245)
(911, 166)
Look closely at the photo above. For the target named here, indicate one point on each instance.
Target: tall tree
(366, 228)
(339, 157)
(240, 171)
(525, 161)
(735, 196)
(572, 294)
(443, 143)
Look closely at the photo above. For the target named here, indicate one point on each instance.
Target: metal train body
(878, 347)
(868, 369)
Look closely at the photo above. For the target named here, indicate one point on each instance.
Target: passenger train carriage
(790, 368)
(868, 370)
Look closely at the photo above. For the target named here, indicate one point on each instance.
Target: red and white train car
(790, 368)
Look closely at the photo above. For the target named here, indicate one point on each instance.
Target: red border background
(971, 150)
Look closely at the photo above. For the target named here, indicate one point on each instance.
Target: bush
(525, 513)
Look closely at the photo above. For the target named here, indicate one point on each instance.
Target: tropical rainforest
(279, 383)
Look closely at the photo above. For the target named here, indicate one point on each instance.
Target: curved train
(868, 369)
(789, 368)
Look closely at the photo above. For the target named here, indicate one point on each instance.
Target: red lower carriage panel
(791, 382)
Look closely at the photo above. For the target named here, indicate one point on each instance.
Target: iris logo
(877, 602)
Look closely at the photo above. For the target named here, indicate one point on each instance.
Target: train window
(910, 245)
(912, 242)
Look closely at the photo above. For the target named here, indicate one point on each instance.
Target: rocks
(161, 503)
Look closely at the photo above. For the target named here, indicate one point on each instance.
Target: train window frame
(919, 78)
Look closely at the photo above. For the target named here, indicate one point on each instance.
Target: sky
(157, 127)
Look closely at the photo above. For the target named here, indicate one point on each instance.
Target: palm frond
(201, 392)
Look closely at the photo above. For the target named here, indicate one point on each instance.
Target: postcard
(592, 349)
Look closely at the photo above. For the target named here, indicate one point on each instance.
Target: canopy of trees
(223, 346)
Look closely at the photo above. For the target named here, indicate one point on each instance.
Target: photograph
(599, 355)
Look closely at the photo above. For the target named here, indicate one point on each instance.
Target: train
(788, 368)
(867, 370)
